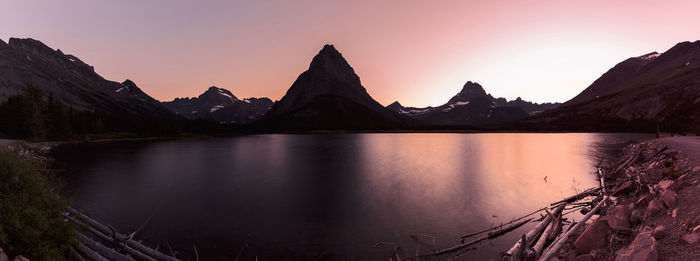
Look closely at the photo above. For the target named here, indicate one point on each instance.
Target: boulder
(668, 197)
(669, 173)
(618, 217)
(691, 238)
(659, 232)
(636, 217)
(643, 248)
(593, 237)
(667, 184)
(655, 206)
(625, 188)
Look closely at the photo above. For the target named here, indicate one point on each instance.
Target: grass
(31, 212)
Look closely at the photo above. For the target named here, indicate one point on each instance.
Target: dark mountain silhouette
(531, 108)
(635, 95)
(472, 106)
(330, 96)
(70, 81)
(220, 105)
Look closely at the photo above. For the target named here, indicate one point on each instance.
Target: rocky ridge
(473, 106)
(221, 106)
(71, 81)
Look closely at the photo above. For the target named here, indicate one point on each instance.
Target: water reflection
(303, 196)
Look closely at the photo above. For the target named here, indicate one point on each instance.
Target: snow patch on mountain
(216, 108)
(649, 56)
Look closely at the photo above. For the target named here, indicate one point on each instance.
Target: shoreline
(653, 210)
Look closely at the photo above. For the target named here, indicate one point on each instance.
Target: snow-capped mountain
(220, 105)
(472, 106)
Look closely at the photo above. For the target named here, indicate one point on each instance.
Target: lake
(328, 196)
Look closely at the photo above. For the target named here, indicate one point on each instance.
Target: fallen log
(138, 255)
(74, 255)
(129, 242)
(546, 235)
(89, 253)
(491, 235)
(530, 236)
(108, 253)
(571, 225)
(578, 196)
(560, 242)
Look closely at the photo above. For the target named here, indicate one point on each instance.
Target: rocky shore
(654, 209)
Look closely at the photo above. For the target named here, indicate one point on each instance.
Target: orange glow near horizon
(419, 53)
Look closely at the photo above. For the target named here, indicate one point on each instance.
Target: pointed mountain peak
(396, 103)
(329, 74)
(470, 91)
(216, 91)
(329, 60)
(473, 87)
(129, 83)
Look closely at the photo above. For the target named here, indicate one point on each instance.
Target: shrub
(31, 212)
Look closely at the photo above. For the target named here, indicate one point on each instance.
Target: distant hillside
(70, 81)
(473, 106)
(329, 96)
(220, 105)
(635, 95)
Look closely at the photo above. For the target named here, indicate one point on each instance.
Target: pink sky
(417, 52)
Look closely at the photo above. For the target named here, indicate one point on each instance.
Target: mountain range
(472, 106)
(69, 80)
(638, 94)
(221, 106)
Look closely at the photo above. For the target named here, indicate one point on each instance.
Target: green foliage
(31, 212)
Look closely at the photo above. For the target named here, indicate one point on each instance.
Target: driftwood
(530, 236)
(578, 196)
(565, 237)
(89, 253)
(629, 160)
(138, 255)
(74, 255)
(129, 242)
(491, 235)
(107, 252)
(546, 235)
(571, 225)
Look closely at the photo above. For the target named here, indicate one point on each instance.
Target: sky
(417, 52)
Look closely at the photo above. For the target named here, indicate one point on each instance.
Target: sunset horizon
(350, 130)
(513, 50)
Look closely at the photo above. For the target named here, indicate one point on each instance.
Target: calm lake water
(331, 196)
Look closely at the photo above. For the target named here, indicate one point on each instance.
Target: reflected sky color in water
(337, 195)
